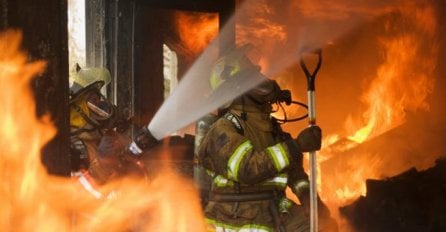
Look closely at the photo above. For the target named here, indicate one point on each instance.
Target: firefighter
(252, 160)
(95, 131)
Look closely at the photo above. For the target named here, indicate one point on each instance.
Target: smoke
(279, 30)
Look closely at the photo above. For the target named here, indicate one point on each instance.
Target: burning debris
(411, 201)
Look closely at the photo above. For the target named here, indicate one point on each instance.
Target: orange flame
(32, 200)
(255, 25)
(402, 84)
(393, 92)
(196, 30)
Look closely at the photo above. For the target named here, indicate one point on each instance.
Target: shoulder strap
(235, 121)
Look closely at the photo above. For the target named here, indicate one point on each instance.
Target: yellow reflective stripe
(284, 204)
(220, 181)
(223, 227)
(279, 156)
(235, 69)
(278, 180)
(236, 158)
(210, 173)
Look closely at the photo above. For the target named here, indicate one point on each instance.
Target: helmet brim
(95, 85)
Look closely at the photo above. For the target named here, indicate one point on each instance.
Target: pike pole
(312, 122)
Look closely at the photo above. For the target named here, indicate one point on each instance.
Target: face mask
(99, 107)
(90, 110)
(268, 92)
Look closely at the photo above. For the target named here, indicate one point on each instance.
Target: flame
(391, 93)
(255, 25)
(33, 200)
(196, 30)
(402, 84)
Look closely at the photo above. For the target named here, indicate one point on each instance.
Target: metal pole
(312, 122)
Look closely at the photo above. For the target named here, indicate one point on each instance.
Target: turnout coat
(251, 163)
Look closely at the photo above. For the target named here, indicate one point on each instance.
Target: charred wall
(44, 27)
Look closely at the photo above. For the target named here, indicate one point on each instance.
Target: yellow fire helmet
(231, 63)
(85, 81)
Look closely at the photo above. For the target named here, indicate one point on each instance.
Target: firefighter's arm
(226, 152)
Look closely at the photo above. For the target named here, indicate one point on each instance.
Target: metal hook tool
(312, 122)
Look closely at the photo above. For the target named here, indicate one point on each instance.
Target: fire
(196, 30)
(33, 200)
(391, 93)
(402, 84)
(255, 25)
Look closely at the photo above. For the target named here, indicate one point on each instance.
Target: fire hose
(312, 122)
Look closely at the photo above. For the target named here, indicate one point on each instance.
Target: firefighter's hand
(110, 145)
(309, 139)
(108, 151)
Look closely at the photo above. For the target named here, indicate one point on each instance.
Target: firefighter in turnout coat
(95, 127)
(251, 162)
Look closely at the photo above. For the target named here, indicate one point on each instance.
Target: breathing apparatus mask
(236, 66)
(267, 94)
(90, 110)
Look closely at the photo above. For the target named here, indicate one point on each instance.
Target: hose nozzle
(144, 140)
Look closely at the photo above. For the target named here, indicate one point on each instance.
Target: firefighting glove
(309, 139)
(110, 145)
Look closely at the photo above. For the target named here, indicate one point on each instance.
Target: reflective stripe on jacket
(253, 162)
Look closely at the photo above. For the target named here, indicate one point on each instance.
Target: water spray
(312, 122)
